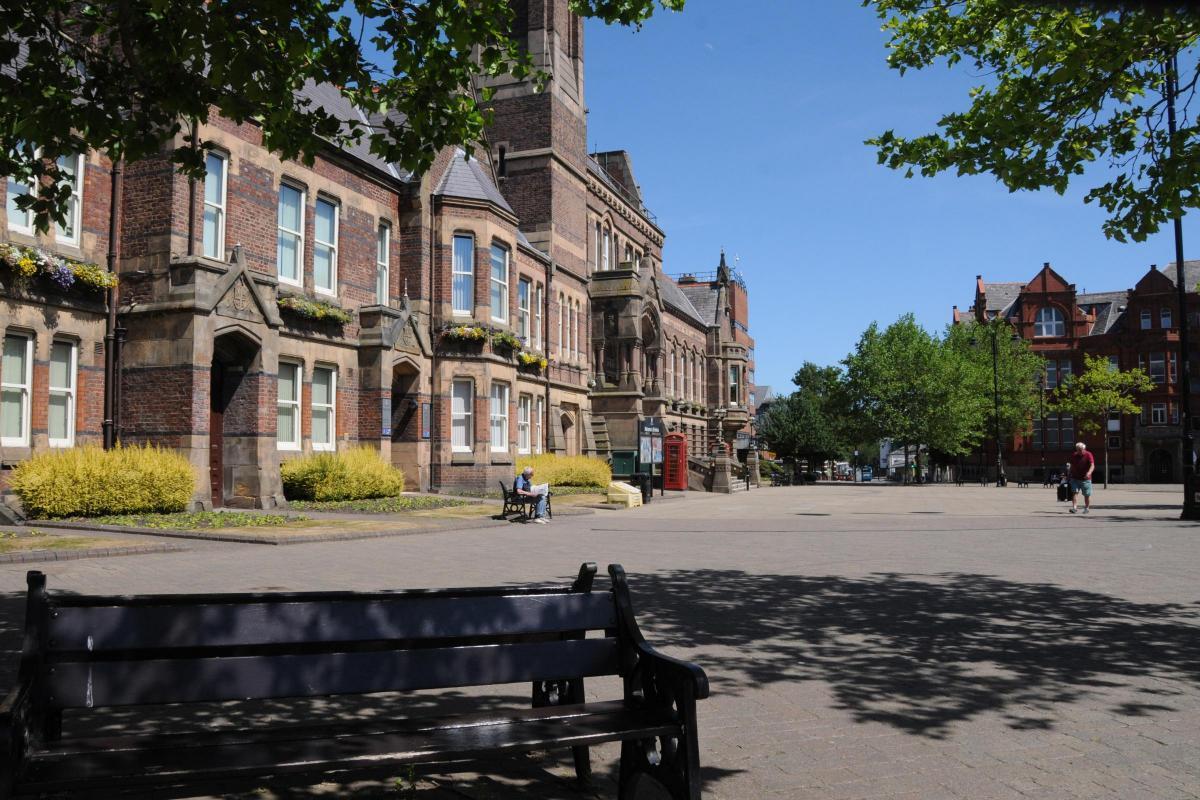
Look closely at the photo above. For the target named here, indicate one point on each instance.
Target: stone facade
(531, 236)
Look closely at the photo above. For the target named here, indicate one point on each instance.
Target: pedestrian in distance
(1081, 466)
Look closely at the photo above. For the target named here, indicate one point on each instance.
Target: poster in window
(656, 450)
(645, 451)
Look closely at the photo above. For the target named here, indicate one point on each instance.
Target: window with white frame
(1147, 319)
(580, 332)
(20, 220)
(215, 175)
(571, 344)
(61, 418)
(499, 281)
(1066, 426)
(383, 253)
(679, 374)
(558, 343)
(70, 169)
(325, 250)
(1051, 373)
(463, 279)
(524, 287)
(598, 249)
(524, 410)
(289, 254)
(287, 415)
(1158, 413)
(462, 400)
(629, 253)
(538, 302)
(1164, 317)
(1049, 322)
(539, 414)
(1158, 367)
(607, 248)
(498, 417)
(324, 411)
(734, 389)
(16, 380)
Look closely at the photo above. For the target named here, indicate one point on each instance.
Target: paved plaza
(862, 641)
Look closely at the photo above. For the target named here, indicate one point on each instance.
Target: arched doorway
(234, 411)
(570, 437)
(407, 423)
(1160, 467)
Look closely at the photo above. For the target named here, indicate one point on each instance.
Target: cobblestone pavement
(862, 641)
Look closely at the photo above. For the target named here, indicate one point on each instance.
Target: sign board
(426, 416)
(652, 426)
(385, 416)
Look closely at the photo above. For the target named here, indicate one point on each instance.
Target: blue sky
(745, 121)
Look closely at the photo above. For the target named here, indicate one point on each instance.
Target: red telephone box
(675, 466)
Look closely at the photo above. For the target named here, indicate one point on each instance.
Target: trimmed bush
(89, 482)
(559, 470)
(357, 473)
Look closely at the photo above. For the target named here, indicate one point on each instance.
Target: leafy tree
(805, 424)
(128, 77)
(1099, 391)
(1064, 85)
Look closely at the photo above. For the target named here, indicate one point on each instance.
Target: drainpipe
(434, 383)
(111, 390)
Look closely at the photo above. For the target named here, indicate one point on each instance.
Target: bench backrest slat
(102, 628)
(84, 684)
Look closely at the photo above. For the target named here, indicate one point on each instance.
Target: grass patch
(11, 542)
(379, 505)
(196, 520)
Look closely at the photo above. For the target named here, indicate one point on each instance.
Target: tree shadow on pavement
(921, 652)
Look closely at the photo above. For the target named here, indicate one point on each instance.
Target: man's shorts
(1081, 486)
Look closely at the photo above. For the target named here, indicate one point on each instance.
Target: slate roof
(1000, 297)
(704, 300)
(466, 178)
(1191, 273)
(327, 97)
(674, 296)
(1107, 306)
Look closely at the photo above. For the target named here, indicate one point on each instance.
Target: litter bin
(643, 482)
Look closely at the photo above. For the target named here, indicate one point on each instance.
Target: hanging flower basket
(27, 263)
(532, 361)
(464, 333)
(505, 343)
(316, 310)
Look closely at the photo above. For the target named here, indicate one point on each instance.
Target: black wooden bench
(515, 503)
(82, 653)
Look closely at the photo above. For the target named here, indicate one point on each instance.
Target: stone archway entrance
(1160, 467)
(234, 400)
(570, 435)
(407, 424)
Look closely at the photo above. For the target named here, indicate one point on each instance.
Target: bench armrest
(674, 669)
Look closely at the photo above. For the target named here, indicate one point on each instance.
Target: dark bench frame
(83, 652)
(524, 505)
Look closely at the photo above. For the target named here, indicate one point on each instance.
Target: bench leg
(555, 693)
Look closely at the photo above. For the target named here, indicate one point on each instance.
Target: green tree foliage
(1064, 85)
(127, 77)
(1017, 369)
(806, 424)
(1099, 391)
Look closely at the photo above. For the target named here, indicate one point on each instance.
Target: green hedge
(90, 482)
(354, 474)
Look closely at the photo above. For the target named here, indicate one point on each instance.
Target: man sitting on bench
(525, 487)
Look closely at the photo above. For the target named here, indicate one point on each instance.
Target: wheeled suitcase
(1064, 493)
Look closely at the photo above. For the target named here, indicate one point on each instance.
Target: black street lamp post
(1000, 479)
(1042, 425)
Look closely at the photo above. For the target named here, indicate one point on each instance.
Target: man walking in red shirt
(1082, 464)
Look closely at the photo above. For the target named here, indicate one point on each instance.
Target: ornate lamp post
(1041, 382)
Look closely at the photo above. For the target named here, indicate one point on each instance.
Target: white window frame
(1158, 413)
(456, 274)
(299, 234)
(332, 246)
(1161, 361)
(570, 329)
(74, 206)
(293, 402)
(1049, 318)
(25, 387)
(599, 249)
(13, 225)
(562, 310)
(539, 413)
(383, 262)
(735, 394)
(1147, 319)
(331, 407)
(1165, 318)
(69, 392)
(607, 247)
(539, 295)
(499, 392)
(580, 329)
(495, 283)
(222, 216)
(525, 287)
(467, 415)
(524, 410)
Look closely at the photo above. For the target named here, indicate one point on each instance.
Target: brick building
(275, 309)
(1132, 328)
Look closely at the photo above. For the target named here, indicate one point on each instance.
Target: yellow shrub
(357, 473)
(559, 470)
(89, 482)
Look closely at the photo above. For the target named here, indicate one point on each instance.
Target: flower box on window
(532, 361)
(505, 343)
(27, 263)
(465, 333)
(315, 310)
